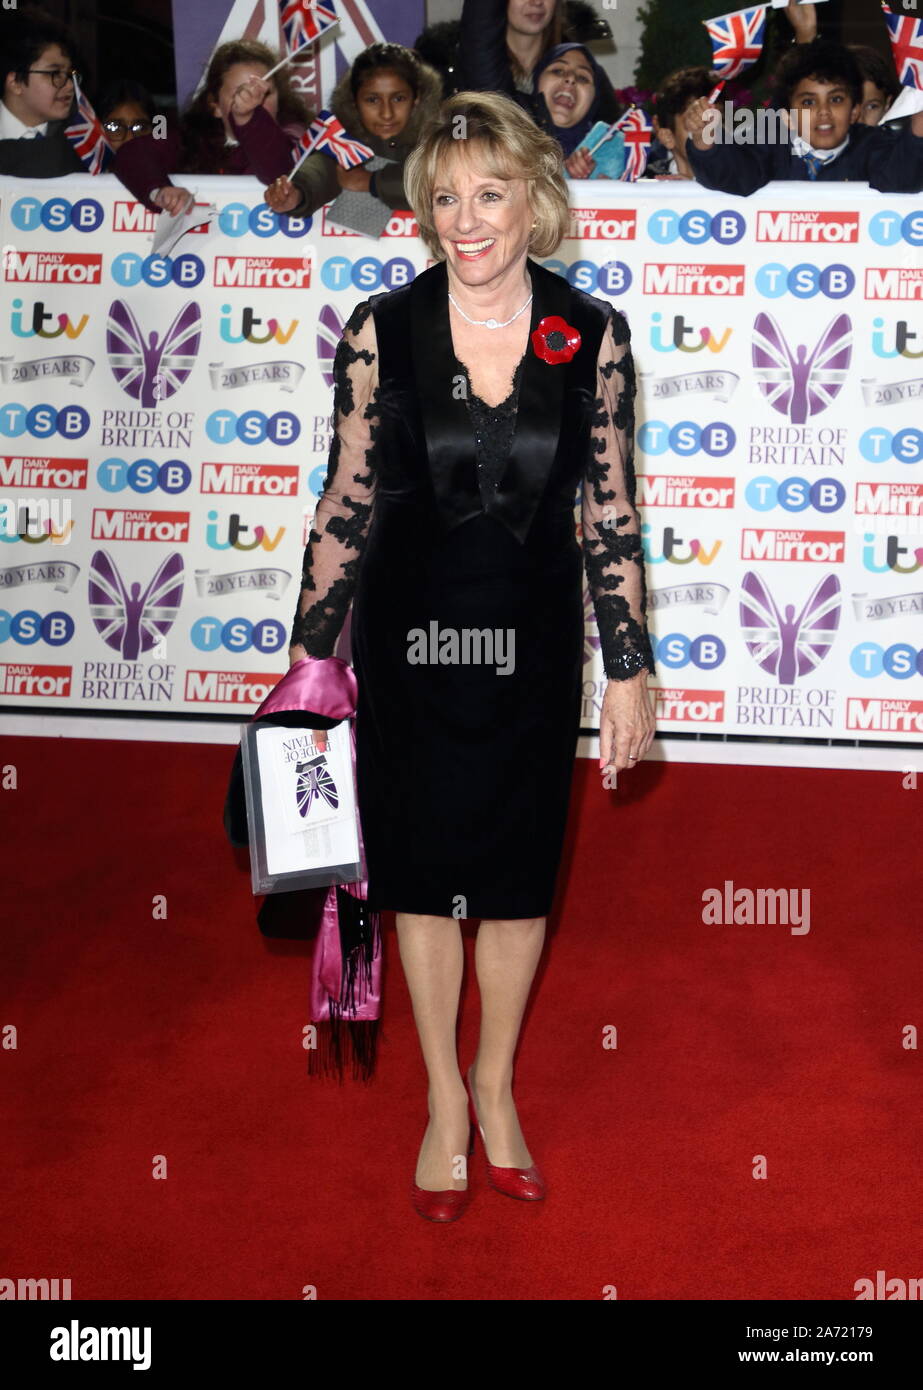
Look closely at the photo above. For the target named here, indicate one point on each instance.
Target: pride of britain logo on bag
(314, 782)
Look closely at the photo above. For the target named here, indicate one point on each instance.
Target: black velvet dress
(450, 526)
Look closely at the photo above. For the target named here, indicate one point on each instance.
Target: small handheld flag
(637, 133)
(736, 39)
(326, 134)
(87, 137)
(303, 21)
(906, 35)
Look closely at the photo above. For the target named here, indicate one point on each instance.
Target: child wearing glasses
(126, 110)
(37, 77)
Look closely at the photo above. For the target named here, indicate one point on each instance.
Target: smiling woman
(471, 406)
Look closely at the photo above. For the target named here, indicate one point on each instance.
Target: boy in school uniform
(37, 91)
(819, 134)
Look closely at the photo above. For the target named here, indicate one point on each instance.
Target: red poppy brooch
(554, 340)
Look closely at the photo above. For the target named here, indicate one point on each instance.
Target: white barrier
(165, 428)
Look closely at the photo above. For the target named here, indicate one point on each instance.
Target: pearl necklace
(491, 323)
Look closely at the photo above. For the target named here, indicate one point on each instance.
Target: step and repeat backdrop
(165, 426)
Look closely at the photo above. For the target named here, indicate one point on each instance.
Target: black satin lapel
(538, 418)
(446, 423)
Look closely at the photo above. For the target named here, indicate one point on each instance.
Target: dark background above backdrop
(136, 41)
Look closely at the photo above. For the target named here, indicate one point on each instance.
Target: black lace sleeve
(612, 553)
(344, 511)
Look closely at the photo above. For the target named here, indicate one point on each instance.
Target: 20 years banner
(165, 425)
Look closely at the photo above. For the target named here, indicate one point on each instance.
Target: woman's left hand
(356, 180)
(626, 724)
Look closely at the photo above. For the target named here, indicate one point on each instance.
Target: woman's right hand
(282, 195)
(173, 200)
(296, 653)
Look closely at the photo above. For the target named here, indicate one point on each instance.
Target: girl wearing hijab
(570, 92)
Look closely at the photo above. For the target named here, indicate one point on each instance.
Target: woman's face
(483, 222)
(127, 114)
(529, 16)
(235, 77)
(385, 101)
(568, 86)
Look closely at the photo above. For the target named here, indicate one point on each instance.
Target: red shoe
(524, 1183)
(447, 1205)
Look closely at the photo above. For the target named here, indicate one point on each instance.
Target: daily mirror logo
(816, 227)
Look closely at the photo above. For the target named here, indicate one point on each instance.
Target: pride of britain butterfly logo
(152, 370)
(797, 384)
(127, 618)
(788, 645)
(314, 782)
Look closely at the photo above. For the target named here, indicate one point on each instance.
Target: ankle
(446, 1098)
(490, 1086)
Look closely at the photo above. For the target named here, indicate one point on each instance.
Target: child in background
(880, 83)
(238, 124)
(566, 94)
(671, 102)
(819, 95)
(36, 60)
(126, 110)
(383, 101)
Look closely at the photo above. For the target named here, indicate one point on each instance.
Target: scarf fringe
(342, 1040)
(342, 1037)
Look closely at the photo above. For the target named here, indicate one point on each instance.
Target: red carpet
(140, 1037)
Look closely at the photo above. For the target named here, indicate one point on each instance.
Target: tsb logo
(676, 650)
(157, 271)
(888, 228)
(367, 273)
(42, 421)
(900, 662)
(28, 627)
(236, 219)
(795, 494)
(686, 438)
(238, 635)
(253, 427)
(696, 227)
(57, 215)
(879, 445)
(613, 278)
(144, 475)
(804, 281)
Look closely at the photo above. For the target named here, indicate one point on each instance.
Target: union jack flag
(636, 132)
(736, 39)
(906, 37)
(327, 134)
(85, 133)
(305, 20)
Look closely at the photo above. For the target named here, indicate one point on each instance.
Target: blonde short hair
(492, 128)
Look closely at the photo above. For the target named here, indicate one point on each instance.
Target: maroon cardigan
(266, 149)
